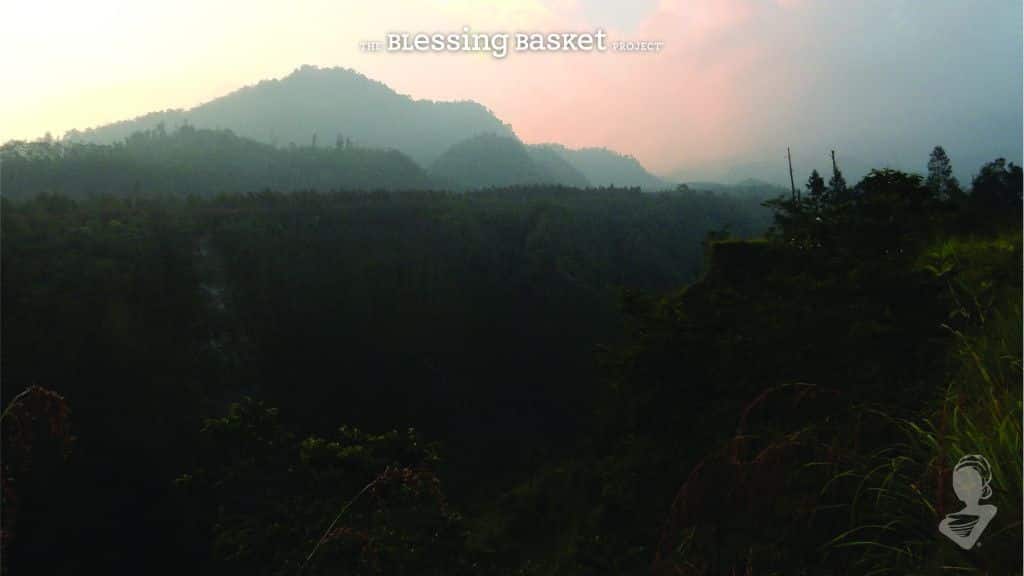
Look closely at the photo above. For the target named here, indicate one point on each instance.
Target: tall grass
(903, 490)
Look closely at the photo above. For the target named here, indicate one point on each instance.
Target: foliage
(857, 484)
(996, 191)
(940, 178)
(473, 318)
(904, 489)
(266, 498)
(36, 429)
(197, 162)
(620, 382)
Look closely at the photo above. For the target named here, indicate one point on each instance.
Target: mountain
(488, 160)
(492, 160)
(331, 108)
(557, 167)
(603, 167)
(324, 105)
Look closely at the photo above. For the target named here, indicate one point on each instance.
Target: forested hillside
(326, 104)
(603, 167)
(463, 142)
(558, 169)
(474, 318)
(489, 160)
(198, 162)
(523, 380)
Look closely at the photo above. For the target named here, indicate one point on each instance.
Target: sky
(735, 84)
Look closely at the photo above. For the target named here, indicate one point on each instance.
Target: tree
(273, 502)
(36, 442)
(997, 189)
(892, 211)
(816, 186)
(837, 184)
(940, 179)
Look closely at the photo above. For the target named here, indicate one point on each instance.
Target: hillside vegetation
(521, 380)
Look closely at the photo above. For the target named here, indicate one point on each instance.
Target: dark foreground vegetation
(517, 381)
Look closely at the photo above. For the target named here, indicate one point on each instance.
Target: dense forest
(219, 369)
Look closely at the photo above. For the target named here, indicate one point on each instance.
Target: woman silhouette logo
(971, 478)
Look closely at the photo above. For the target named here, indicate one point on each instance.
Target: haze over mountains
(462, 145)
(604, 167)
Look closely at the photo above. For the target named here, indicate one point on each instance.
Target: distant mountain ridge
(491, 160)
(331, 107)
(488, 160)
(557, 167)
(604, 167)
(328, 104)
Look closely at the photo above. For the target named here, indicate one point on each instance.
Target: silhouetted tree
(940, 179)
(816, 186)
(997, 189)
(837, 184)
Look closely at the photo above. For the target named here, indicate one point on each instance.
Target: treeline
(889, 207)
(203, 162)
(200, 162)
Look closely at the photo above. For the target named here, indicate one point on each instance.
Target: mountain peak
(324, 105)
(328, 103)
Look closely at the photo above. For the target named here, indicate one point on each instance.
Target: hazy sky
(737, 81)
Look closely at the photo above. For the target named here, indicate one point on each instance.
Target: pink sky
(683, 102)
(736, 82)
